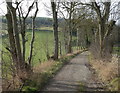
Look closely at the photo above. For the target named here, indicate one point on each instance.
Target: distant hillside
(40, 21)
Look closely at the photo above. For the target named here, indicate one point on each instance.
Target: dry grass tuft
(106, 70)
(43, 66)
(70, 54)
(11, 84)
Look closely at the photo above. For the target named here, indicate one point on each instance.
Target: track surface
(70, 76)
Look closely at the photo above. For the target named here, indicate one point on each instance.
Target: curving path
(70, 76)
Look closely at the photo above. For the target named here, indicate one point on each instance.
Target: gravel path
(71, 75)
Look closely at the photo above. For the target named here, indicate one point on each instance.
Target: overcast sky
(42, 8)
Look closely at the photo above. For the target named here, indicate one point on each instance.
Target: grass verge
(107, 72)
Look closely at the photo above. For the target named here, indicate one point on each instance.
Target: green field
(40, 45)
(43, 40)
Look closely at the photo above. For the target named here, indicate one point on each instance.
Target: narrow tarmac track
(70, 76)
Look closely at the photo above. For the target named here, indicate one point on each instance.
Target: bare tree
(105, 24)
(15, 46)
(70, 9)
(33, 35)
(22, 20)
(13, 31)
(11, 35)
(55, 26)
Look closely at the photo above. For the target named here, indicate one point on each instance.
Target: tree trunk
(23, 39)
(69, 44)
(103, 20)
(13, 32)
(11, 38)
(101, 36)
(60, 48)
(16, 36)
(32, 41)
(65, 41)
(23, 28)
(15, 42)
(55, 26)
(70, 35)
(33, 35)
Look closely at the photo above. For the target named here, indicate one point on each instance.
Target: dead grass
(11, 85)
(41, 73)
(39, 76)
(73, 53)
(43, 66)
(106, 70)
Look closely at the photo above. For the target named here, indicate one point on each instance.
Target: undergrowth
(107, 72)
